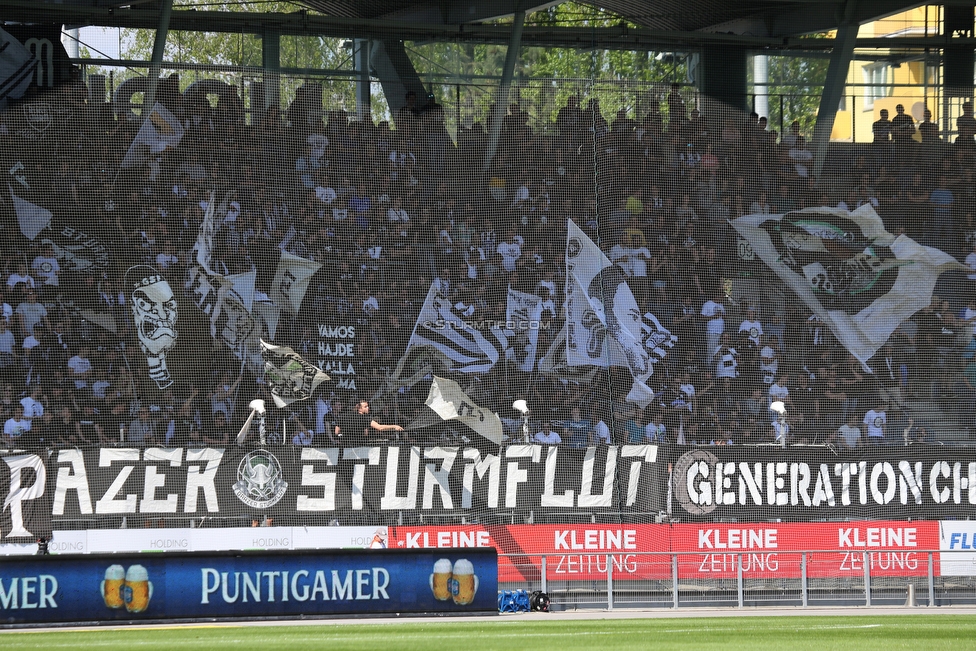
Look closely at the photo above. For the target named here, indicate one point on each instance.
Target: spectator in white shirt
(713, 312)
(547, 436)
(875, 421)
(33, 407)
(511, 251)
(752, 326)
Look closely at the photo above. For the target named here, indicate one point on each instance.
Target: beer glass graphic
(463, 583)
(439, 580)
(112, 586)
(137, 590)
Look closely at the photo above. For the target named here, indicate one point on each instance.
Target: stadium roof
(663, 23)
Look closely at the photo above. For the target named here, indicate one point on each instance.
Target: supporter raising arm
(354, 429)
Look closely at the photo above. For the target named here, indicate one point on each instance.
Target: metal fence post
(931, 582)
(867, 580)
(803, 578)
(738, 563)
(674, 580)
(609, 582)
(545, 582)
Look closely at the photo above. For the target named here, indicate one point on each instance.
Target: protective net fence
(601, 303)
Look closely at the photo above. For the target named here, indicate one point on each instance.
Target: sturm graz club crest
(260, 481)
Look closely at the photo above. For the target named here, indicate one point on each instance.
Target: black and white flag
(290, 377)
(448, 401)
(523, 317)
(160, 131)
(17, 66)
(604, 324)
(861, 280)
(458, 341)
(31, 218)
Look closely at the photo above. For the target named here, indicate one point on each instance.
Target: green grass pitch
(859, 633)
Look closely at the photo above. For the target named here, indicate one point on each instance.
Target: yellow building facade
(881, 79)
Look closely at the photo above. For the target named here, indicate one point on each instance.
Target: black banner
(380, 484)
(296, 485)
(802, 483)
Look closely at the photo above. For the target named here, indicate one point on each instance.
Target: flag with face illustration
(289, 376)
(861, 280)
(605, 326)
(155, 312)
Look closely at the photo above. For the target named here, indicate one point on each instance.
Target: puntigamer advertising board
(123, 587)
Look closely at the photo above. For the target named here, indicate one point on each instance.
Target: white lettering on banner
(877, 537)
(364, 584)
(337, 332)
(514, 475)
(438, 478)
(108, 503)
(18, 493)
(854, 561)
(131, 480)
(595, 564)
(738, 539)
(422, 540)
(595, 539)
(390, 499)
(717, 563)
(649, 454)
(154, 480)
(74, 477)
(710, 483)
(338, 357)
(549, 498)
(371, 456)
(327, 480)
(339, 350)
(491, 464)
(26, 592)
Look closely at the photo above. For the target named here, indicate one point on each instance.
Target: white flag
(523, 318)
(205, 236)
(460, 342)
(289, 376)
(604, 324)
(449, 402)
(31, 218)
(291, 281)
(861, 280)
(159, 132)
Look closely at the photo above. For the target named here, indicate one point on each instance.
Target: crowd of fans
(392, 209)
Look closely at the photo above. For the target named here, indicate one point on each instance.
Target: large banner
(804, 483)
(368, 482)
(581, 552)
(169, 586)
(299, 485)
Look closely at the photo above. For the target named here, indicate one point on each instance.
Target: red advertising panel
(580, 552)
(574, 552)
(891, 548)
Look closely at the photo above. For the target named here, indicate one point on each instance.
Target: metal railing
(742, 579)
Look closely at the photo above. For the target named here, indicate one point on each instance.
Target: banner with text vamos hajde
(249, 585)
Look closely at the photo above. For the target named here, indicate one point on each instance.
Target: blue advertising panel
(126, 587)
